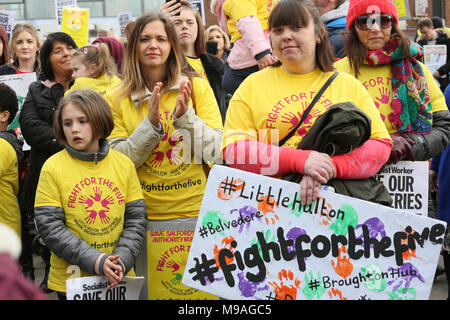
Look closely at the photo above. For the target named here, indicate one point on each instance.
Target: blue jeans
(232, 78)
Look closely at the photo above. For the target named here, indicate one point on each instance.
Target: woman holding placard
(382, 58)
(276, 101)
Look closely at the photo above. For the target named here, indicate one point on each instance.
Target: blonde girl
(94, 68)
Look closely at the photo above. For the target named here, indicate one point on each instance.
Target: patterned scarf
(410, 98)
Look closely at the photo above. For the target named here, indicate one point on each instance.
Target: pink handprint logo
(290, 117)
(157, 161)
(96, 201)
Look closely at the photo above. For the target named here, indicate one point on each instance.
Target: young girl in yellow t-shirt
(89, 206)
(94, 68)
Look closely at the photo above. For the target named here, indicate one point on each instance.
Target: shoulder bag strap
(305, 114)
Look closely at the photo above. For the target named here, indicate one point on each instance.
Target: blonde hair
(99, 55)
(94, 106)
(133, 81)
(18, 29)
(226, 39)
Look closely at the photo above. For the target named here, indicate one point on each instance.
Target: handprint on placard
(91, 218)
(249, 288)
(177, 279)
(157, 161)
(87, 201)
(107, 201)
(288, 286)
(343, 266)
(173, 265)
(408, 272)
(103, 217)
(226, 244)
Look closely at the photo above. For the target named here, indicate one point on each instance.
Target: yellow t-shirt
(237, 9)
(377, 81)
(101, 84)
(9, 187)
(197, 65)
(270, 103)
(93, 197)
(172, 188)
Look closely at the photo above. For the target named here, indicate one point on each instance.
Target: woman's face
(216, 36)
(154, 46)
(1, 47)
(25, 46)
(374, 32)
(60, 59)
(295, 47)
(186, 27)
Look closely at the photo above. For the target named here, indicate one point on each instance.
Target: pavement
(439, 291)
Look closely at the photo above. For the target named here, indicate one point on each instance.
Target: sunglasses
(366, 22)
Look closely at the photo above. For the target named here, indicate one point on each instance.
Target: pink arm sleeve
(270, 160)
(364, 161)
(262, 158)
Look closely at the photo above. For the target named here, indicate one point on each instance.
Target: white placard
(7, 21)
(95, 288)
(19, 83)
(435, 56)
(407, 182)
(254, 240)
(124, 19)
(59, 5)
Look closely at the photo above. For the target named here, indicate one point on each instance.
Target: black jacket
(341, 129)
(36, 121)
(8, 69)
(214, 69)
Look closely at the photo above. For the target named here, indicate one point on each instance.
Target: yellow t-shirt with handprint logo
(93, 197)
(173, 187)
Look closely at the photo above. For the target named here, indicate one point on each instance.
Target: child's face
(80, 69)
(77, 129)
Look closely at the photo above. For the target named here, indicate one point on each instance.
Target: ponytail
(99, 55)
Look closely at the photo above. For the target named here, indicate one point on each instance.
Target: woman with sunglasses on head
(388, 65)
(275, 101)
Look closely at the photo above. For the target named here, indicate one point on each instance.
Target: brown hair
(96, 109)
(133, 81)
(99, 55)
(357, 52)
(425, 22)
(200, 43)
(300, 13)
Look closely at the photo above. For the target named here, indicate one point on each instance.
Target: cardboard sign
(167, 255)
(407, 182)
(124, 19)
(7, 21)
(59, 5)
(255, 240)
(20, 84)
(95, 288)
(75, 22)
(435, 56)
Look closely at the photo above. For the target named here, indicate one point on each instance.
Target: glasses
(366, 22)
